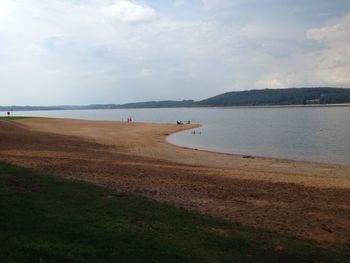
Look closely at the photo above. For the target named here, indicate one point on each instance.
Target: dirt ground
(307, 200)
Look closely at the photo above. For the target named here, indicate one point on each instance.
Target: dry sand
(308, 200)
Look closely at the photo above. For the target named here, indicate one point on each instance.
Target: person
(8, 114)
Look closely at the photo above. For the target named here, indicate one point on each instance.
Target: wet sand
(303, 199)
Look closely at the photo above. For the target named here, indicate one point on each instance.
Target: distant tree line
(157, 104)
(266, 97)
(290, 96)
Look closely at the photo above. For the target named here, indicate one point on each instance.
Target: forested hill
(156, 104)
(290, 96)
(266, 97)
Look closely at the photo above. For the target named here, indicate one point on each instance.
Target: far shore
(304, 199)
(280, 106)
(196, 107)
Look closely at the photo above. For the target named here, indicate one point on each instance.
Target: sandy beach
(303, 199)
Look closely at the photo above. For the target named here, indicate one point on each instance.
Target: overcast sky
(109, 51)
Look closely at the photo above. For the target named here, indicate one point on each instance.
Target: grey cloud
(99, 51)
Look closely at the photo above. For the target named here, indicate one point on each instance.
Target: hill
(290, 96)
(156, 104)
(266, 97)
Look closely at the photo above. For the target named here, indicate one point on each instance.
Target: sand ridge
(303, 199)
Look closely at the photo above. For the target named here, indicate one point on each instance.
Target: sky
(55, 52)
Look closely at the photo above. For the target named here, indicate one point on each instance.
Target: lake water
(320, 134)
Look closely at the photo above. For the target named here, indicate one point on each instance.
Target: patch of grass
(48, 219)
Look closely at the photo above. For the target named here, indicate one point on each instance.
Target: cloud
(274, 81)
(178, 3)
(214, 4)
(4, 9)
(322, 60)
(336, 33)
(279, 80)
(146, 72)
(131, 12)
(116, 51)
(332, 63)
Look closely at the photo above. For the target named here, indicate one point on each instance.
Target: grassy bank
(48, 219)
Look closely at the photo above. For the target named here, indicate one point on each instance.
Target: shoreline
(155, 145)
(189, 127)
(248, 156)
(207, 107)
(303, 199)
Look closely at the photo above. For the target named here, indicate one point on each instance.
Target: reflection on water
(313, 134)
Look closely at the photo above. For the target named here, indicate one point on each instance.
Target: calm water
(313, 134)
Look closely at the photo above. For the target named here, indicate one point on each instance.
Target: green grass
(48, 219)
